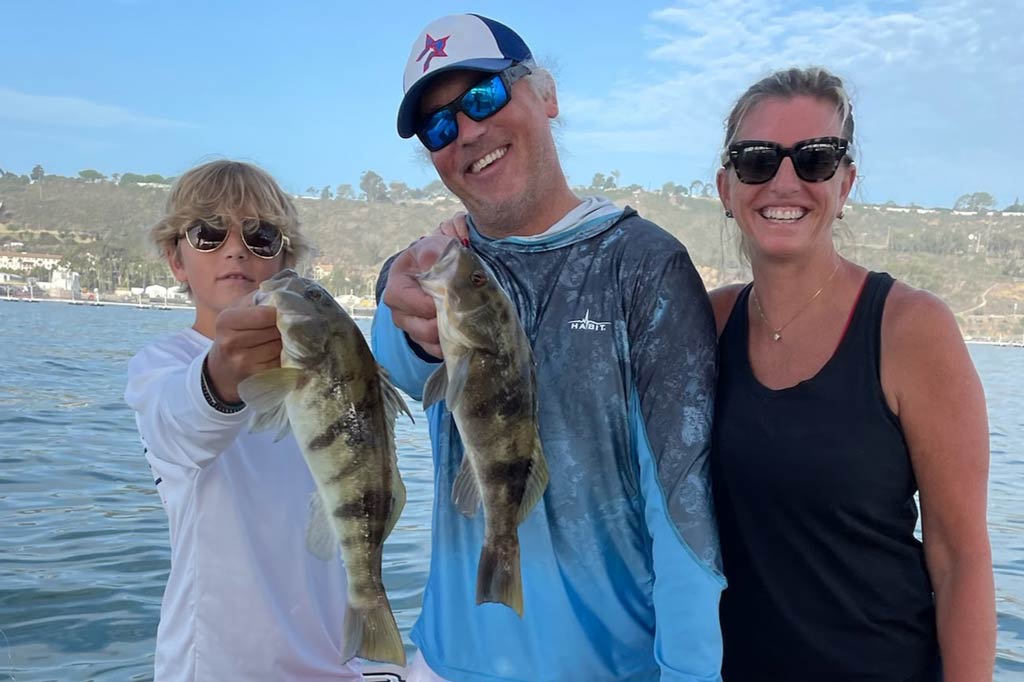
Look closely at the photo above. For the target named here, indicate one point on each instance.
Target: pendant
(776, 336)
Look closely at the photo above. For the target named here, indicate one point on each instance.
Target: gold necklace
(777, 331)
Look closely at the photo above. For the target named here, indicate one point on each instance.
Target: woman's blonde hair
(226, 187)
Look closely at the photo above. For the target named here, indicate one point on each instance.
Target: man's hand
(456, 226)
(412, 309)
(246, 341)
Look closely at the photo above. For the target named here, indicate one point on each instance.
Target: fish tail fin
(498, 577)
(373, 634)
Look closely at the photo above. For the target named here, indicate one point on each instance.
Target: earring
(840, 216)
(728, 213)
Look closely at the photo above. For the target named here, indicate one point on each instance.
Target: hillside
(975, 262)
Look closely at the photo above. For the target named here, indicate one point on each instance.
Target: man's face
(502, 167)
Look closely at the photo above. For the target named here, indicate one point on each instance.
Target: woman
(841, 393)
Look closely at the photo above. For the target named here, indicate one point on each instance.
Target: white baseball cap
(468, 42)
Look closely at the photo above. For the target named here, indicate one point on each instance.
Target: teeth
(488, 160)
(773, 213)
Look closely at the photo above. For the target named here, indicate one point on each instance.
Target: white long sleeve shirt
(245, 600)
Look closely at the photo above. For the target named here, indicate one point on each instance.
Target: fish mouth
(432, 280)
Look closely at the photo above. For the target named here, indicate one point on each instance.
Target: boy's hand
(246, 341)
(412, 309)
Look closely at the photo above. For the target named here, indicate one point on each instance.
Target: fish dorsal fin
(320, 539)
(536, 483)
(436, 386)
(465, 491)
(393, 401)
(265, 393)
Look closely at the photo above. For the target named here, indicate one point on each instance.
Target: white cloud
(73, 112)
(950, 69)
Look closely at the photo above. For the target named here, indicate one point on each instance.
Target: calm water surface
(83, 538)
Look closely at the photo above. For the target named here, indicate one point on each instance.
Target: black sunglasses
(263, 239)
(814, 160)
(440, 128)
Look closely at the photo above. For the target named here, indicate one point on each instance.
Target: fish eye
(314, 294)
(478, 278)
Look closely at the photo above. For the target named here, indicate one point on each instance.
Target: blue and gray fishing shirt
(620, 560)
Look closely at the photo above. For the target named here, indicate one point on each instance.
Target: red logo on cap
(435, 48)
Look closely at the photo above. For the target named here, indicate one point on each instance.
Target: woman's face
(786, 217)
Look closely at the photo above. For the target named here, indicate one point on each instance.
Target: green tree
(399, 190)
(131, 179)
(1015, 207)
(344, 191)
(436, 188)
(38, 173)
(696, 188)
(325, 193)
(373, 187)
(976, 201)
(90, 175)
(598, 182)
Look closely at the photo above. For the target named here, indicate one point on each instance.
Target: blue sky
(310, 90)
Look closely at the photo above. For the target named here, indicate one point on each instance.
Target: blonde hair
(813, 81)
(225, 187)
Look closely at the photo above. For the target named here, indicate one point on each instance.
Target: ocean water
(83, 538)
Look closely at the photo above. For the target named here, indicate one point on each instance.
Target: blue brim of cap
(408, 110)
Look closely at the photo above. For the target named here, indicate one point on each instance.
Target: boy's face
(218, 279)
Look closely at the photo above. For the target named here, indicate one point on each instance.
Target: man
(620, 558)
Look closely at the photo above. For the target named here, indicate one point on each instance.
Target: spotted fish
(488, 382)
(342, 409)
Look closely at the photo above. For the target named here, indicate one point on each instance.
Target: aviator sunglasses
(263, 239)
(483, 100)
(814, 160)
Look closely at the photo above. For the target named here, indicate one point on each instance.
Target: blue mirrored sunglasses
(483, 100)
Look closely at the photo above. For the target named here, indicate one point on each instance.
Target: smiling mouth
(235, 276)
(788, 214)
(479, 165)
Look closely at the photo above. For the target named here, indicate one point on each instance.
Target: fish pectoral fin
(457, 381)
(320, 539)
(465, 491)
(536, 483)
(264, 394)
(435, 386)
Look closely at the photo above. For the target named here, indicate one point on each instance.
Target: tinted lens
(484, 99)
(439, 130)
(479, 102)
(263, 239)
(816, 161)
(756, 163)
(204, 236)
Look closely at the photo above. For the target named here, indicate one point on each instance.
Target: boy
(244, 600)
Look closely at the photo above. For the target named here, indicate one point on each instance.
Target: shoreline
(362, 314)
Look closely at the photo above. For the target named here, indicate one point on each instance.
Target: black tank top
(814, 492)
